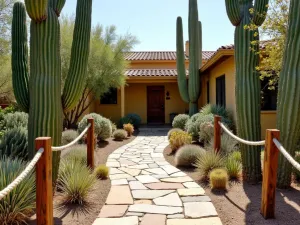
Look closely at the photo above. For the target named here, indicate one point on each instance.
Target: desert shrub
(206, 132)
(14, 143)
(68, 136)
(119, 135)
(173, 130)
(233, 168)
(76, 153)
(113, 127)
(178, 139)
(131, 118)
(13, 120)
(297, 172)
(18, 205)
(102, 172)
(209, 161)
(236, 155)
(180, 121)
(218, 179)
(187, 155)
(103, 128)
(220, 111)
(228, 144)
(75, 181)
(129, 129)
(193, 128)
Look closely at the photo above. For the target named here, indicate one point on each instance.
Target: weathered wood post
(91, 144)
(217, 133)
(270, 166)
(44, 192)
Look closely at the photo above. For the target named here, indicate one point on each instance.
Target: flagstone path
(147, 190)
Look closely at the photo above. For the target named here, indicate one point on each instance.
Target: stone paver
(147, 190)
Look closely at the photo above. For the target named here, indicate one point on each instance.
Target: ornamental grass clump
(68, 136)
(233, 168)
(218, 179)
(76, 153)
(180, 121)
(129, 129)
(119, 135)
(19, 204)
(178, 139)
(102, 172)
(187, 155)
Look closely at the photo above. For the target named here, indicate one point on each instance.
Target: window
(220, 91)
(207, 92)
(111, 97)
(268, 97)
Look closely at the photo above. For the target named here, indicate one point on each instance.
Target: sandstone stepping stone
(113, 171)
(119, 176)
(199, 209)
(143, 201)
(153, 165)
(130, 220)
(162, 163)
(134, 214)
(155, 209)
(170, 169)
(136, 160)
(168, 200)
(113, 164)
(196, 199)
(161, 176)
(146, 179)
(132, 172)
(191, 191)
(203, 221)
(175, 216)
(191, 185)
(114, 156)
(157, 171)
(113, 211)
(164, 186)
(140, 166)
(137, 185)
(149, 194)
(125, 162)
(119, 195)
(178, 174)
(145, 173)
(157, 155)
(177, 179)
(131, 179)
(150, 219)
(119, 182)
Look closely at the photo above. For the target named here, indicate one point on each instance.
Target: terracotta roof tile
(151, 72)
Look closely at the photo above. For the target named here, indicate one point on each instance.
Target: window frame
(109, 97)
(222, 95)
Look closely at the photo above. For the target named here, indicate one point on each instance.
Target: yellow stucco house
(152, 92)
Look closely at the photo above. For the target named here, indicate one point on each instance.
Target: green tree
(106, 66)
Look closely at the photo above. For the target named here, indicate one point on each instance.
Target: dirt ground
(85, 215)
(240, 204)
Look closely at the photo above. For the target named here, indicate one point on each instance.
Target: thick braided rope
(286, 154)
(254, 143)
(73, 142)
(24, 174)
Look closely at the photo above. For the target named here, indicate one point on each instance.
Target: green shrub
(187, 155)
(102, 172)
(103, 128)
(131, 118)
(75, 181)
(209, 161)
(178, 139)
(206, 132)
(233, 168)
(218, 179)
(76, 153)
(119, 135)
(180, 121)
(14, 120)
(68, 136)
(14, 143)
(19, 204)
(193, 128)
(173, 130)
(228, 144)
(297, 172)
(129, 129)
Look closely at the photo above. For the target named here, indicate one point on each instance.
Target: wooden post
(44, 192)
(217, 133)
(91, 144)
(270, 165)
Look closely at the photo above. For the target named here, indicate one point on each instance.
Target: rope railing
(286, 154)
(23, 175)
(253, 143)
(60, 148)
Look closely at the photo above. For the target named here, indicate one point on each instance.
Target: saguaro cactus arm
(260, 11)
(79, 56)
(57, 5)
(182, 82)
(20, 56)
(37, 9)
(233, 11)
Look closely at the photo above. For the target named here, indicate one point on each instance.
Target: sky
(153, 22)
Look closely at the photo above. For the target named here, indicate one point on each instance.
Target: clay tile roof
(166, 55)
(151, 72)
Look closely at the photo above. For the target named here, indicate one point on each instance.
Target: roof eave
(216, 57)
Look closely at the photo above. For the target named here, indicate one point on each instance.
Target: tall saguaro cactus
(288, 117)
(242, 13)
(40, 92)
(190, 92)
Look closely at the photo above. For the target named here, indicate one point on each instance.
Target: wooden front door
(156, 104)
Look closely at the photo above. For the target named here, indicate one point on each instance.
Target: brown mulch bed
(240, 204)
(79, 215)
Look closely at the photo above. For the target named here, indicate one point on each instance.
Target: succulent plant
(218, 179)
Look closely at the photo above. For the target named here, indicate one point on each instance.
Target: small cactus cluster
(218, 179)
